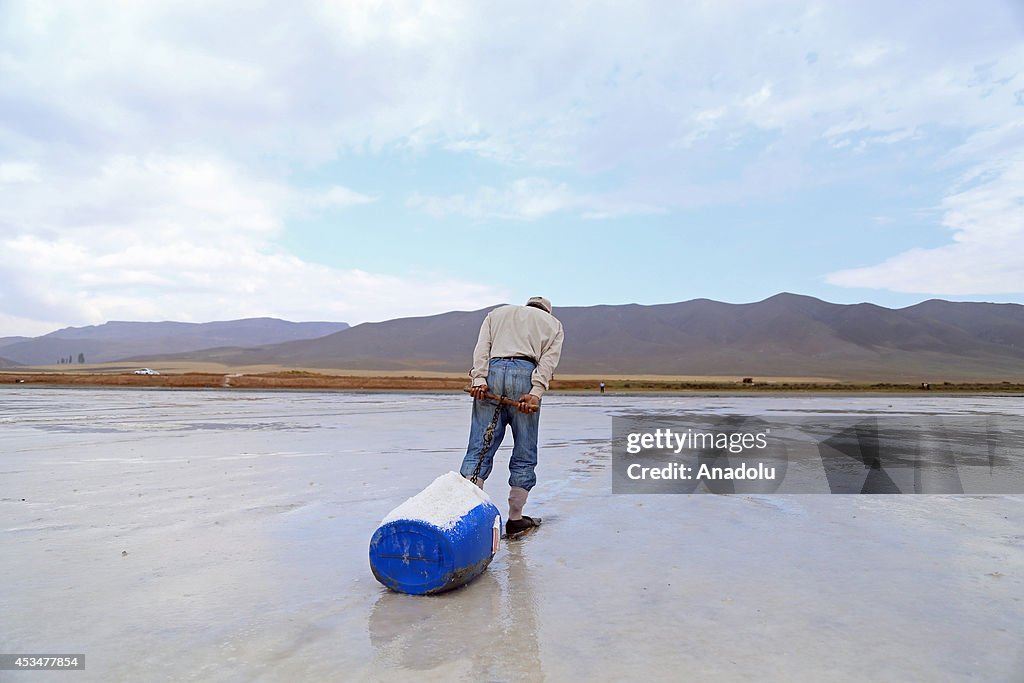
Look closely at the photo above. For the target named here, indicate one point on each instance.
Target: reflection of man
(515, 356)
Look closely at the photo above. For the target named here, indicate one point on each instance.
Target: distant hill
(7, 341)
(437, 342)
(120, 340)
(786, 334)
(6, 363)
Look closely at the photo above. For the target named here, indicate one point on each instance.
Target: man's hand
(528, 403)
(478, 392)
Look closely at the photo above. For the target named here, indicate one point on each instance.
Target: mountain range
(116, 341)
(784, 335)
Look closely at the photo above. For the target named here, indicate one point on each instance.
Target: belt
(529, 358)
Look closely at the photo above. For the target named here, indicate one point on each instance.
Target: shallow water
(222, 535)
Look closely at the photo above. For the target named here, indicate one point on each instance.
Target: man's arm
(546, 364)
(482, 354)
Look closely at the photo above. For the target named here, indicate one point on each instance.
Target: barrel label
(496, 535)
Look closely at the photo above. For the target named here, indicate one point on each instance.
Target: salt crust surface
(442, 503)
(914, 581)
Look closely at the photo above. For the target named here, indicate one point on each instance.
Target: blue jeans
(510, 378)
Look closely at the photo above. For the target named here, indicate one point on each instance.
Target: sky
(360, 161)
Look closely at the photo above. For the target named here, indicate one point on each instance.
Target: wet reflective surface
(208, 535)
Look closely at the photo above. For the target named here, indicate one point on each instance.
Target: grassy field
(214, 375)
(195, 367)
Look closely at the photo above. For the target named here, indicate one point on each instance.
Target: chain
(488, 439)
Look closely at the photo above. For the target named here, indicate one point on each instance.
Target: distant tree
(81, 358)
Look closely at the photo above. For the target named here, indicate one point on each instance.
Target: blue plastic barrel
(417, 557)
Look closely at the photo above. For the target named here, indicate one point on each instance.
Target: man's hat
(539, 302)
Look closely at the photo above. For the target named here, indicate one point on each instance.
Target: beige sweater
(519, 331)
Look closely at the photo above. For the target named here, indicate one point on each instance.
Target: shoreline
(302, 380)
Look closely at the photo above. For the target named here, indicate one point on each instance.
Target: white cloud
(335, 76)
(870, 55)
(527, 199)
(986, 214)
(147, 146)
(15, 326)
(337, 197)
(760, 97)
(186, 239)
(18, 172)
(523, 199)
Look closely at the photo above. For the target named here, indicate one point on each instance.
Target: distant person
(601, 386)
(515, 356)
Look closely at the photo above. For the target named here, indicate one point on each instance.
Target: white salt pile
(448, 498)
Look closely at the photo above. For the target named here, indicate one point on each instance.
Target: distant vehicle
(146, 371)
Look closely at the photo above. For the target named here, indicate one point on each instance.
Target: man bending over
(515, 357)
